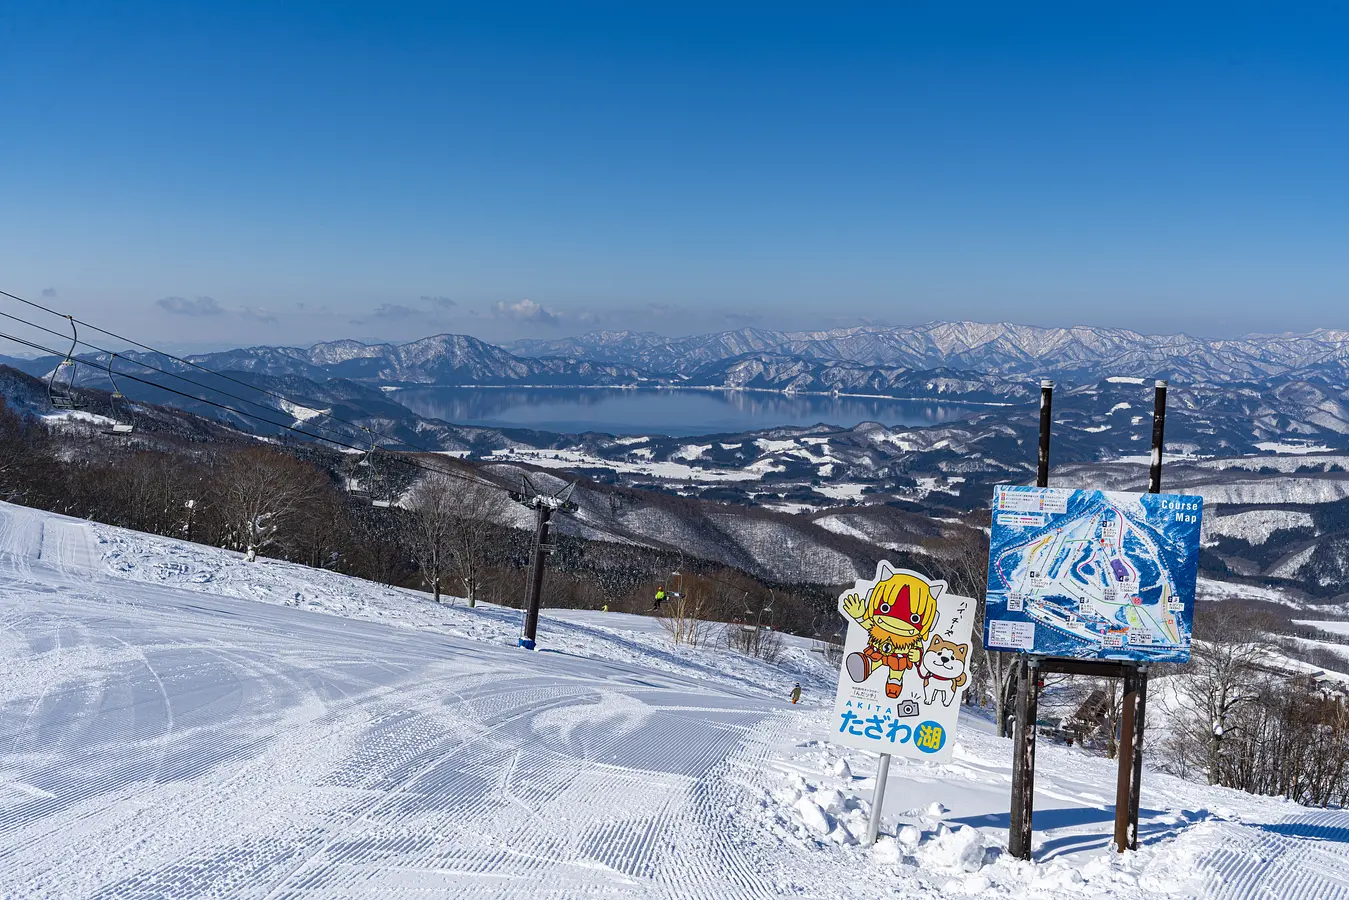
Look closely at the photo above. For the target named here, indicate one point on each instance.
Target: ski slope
(180, 723)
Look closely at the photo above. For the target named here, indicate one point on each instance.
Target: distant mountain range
(1229, 395)
(937, 359)
(1000, 349)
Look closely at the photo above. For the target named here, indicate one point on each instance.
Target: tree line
(450, 536)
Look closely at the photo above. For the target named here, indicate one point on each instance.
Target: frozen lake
(672, 412)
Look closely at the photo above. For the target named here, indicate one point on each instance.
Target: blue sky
(218, 173)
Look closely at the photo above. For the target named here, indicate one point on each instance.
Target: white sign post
(906, 659)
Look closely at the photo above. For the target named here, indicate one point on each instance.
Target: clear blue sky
(235, 172)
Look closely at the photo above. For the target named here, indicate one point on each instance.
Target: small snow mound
(887, 850)
(961, 849)
(831, 802)
(910, 836)
(814, 818)
(975, 885)
(841, 769)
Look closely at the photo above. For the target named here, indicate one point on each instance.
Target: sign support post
(1028, 681)
(877, 798)
(1133, 718)
(1124, 781)
(1031, 668)
(1023, 757)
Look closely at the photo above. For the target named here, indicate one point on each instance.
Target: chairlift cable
(602, 529)
(178, 376)
(186, 362)
(407, 460)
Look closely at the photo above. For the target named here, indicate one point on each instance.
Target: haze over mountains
(877, 359)
(1001, 349)
(1259, 426)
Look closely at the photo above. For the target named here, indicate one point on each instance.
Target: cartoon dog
(942, 669)
(898, 613)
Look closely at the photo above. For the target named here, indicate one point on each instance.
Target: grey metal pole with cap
(877, 799)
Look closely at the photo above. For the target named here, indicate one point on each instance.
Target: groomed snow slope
(169, 736)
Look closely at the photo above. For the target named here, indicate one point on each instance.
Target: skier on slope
(796, 693)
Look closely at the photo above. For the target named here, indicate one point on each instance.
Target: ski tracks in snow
(175, 744)
(1303, 857)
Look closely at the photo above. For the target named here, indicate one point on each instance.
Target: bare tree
(685, 617)
(964, 565)
(1226, 673)
(480, 508)
(260, 494)
(758, 641)
(428, 526)
(449, 530)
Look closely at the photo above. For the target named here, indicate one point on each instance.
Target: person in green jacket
(796, 693)
(660, 596)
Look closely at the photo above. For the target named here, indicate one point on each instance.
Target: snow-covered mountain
(445, 359)
(1000, 349)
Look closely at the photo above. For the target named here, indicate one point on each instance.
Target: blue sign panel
(1092, 574)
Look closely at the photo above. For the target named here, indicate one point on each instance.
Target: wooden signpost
(1032, 669)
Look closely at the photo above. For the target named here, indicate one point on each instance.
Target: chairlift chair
(120, 427)
(360, 473)
(375, 485)
(59, 395)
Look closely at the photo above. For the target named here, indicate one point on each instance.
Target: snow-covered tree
(260, 493)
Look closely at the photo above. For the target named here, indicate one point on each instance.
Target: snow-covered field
(180, 723)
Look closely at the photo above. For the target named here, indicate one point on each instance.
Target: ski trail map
(1092, 574)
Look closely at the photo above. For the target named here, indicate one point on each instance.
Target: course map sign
(906, 659)
(1092, 574)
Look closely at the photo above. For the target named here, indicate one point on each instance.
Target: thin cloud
(395, 312)
(438, 301)
(49, 292)
(257, 314)
(526, 311)
(181, 306)
(742, 320)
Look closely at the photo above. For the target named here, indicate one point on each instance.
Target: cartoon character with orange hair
(897, 614)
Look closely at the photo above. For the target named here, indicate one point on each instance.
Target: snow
(1294, 448)
(844, 491)
(1119, 406)
(77, 415)
(690, 451)
(1255, 526)
(1271, 491)
(572, 459)
(1288, 567)
(1213, 590)
(182, 723)
(1334, 626)
(301, 413)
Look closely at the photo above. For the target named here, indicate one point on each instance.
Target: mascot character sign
(905, 665)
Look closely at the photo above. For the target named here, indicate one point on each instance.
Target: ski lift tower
(543, 505)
